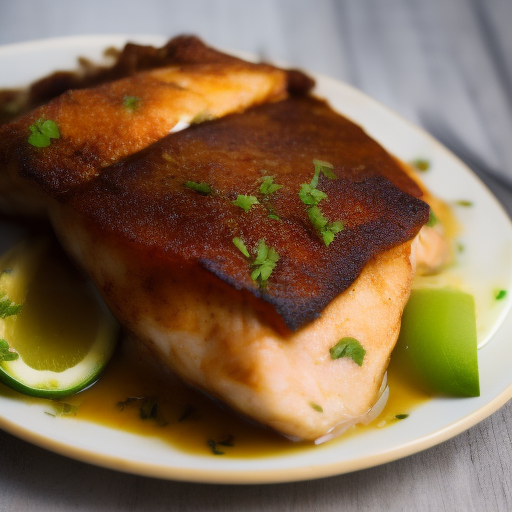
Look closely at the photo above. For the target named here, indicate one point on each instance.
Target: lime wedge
(437, 346)
(57, 334)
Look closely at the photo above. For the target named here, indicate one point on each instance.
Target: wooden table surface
(444, 64)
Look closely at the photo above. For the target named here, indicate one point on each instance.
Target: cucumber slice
(437, 346)
(63, 336)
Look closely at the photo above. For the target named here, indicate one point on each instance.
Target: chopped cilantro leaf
(265, 262)
(213, 446)
(501, 294)
(273, 216)
(316, 407)
(421, 164)
(239, 244)
(316, 217)
(42, 131)
(401, 416)
(7, 354)
(8, 308)
(348, 347)
(245, 202)
(131, 103)
(311, 195)
(149, 408)
(432, 219)
(326, 229)
(202, 188)
(268, 186)
(325, 168)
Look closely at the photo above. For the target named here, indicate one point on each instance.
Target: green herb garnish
(213, 446)
(326, 229)
(245, 202)
(421, 164)
(148, 408)
(239, 244)
(273, 216)
(324, 168)
(432, 219)
(401, 416)
(42, 131)
(501, 294)
(8, 308)
(311, 196)
(464, 202)
(265, 262)
(316, 407)
(7, 354)
(348, 347)
(202, 188)
(268, 186)
(131, 103)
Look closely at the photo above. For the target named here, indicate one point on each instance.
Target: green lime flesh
(437, 346)
(63, 334)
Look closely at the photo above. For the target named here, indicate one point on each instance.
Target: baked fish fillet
(156, 231)
(163, 256)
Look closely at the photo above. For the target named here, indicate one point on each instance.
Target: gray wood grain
(444, 64)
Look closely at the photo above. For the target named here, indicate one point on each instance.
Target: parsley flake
(316, 407)
(131, 103)
(6, 353)
(239, 244)
(324, 168)
(501, 294)
(310, 195)
(432, 219)
(42, 131)
(464, 202)
(401, 416)
(202, 188)
(268, 186)
(225, 441)
(326, 229)
(348, 347)
(245, 202)
(421, 164)
(213, 446)
(265, 262)
(8, 308)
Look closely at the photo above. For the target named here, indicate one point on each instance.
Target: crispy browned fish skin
(223, 342)
(132, 59)
(98, 128)
(143, 200)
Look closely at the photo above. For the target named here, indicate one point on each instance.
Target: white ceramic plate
(485, 265)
